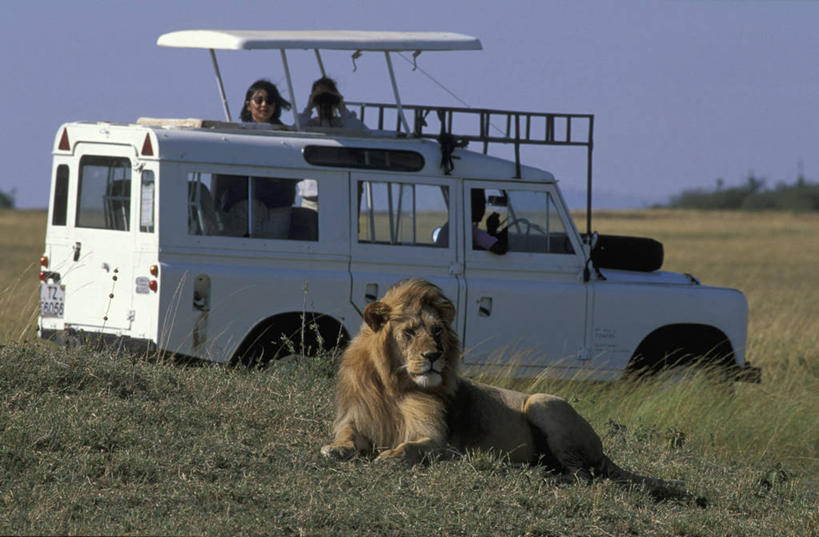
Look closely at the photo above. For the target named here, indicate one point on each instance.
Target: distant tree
(7, 200)
(753, 196)
(721, 198)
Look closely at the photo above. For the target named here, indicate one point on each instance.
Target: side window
(60, 202)
(104, 193)
(146, 213)
(403, 213)
(530, 218)
(253, 207)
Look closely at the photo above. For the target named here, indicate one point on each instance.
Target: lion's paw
(407, 456)
(389, 455)
(340, 452)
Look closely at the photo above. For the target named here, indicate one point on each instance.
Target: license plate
(52, 300)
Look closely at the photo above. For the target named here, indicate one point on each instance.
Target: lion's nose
(432, 355)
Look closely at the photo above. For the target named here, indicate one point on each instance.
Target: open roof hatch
(356, 41)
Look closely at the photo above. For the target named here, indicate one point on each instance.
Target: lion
(399, 394)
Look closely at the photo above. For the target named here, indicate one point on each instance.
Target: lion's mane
(374, 391)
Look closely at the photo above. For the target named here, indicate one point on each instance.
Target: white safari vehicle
(220, 240)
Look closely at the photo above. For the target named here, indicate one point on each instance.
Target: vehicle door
(145, 250)
(526, 308)
(98, 277)
(403, 226)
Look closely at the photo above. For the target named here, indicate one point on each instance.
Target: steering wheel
(529, 226)
(531, 229)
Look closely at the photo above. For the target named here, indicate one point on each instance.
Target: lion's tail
(659, 489)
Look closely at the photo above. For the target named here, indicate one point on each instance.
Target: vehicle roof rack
(518, 128)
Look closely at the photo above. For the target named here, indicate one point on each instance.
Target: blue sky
(683, 92)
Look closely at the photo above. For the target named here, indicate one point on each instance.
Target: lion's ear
(376, 315)
(446, 310)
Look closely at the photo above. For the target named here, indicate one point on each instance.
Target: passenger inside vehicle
(253, 207)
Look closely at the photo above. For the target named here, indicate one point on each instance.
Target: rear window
(364, 158)
(60, 202)
(104, 193)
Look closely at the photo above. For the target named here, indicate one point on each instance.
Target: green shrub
(6, 200)
(752, 196)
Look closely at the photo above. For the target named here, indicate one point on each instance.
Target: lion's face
(419, 341)
(415, 318)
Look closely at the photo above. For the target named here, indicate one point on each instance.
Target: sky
(683, 91)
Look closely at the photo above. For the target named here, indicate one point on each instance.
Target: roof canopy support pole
(221, 86)
(290, 90)
(395, 91)
(320, 63)
(589, 183)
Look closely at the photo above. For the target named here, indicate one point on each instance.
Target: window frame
(78, 202)
(333, 237)
(395, 228)
(142, 191)
(312, 155)
(252, 202)
(364, 253)
(524, 260)
(60, 195)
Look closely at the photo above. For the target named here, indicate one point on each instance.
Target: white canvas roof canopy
(356, 41)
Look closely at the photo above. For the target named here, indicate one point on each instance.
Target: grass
(100, 443)
(22, 238)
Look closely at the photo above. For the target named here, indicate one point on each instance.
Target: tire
(628, 253)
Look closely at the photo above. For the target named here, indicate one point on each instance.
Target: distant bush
(752, 196)
(6, 200)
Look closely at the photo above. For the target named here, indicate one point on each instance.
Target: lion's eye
(436, 332)
(409, 333)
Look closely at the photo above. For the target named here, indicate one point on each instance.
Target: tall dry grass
(22, 237)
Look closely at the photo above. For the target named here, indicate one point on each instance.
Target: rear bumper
(96, 340)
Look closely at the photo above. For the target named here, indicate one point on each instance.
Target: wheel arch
(683, 344)
(268, 339)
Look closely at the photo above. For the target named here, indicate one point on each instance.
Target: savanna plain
(103, 443)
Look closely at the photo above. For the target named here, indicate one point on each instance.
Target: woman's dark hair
(273, 97)
(327, 82)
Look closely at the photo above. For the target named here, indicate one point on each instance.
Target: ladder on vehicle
(517, 128)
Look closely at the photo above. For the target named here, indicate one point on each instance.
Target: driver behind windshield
(491, 239)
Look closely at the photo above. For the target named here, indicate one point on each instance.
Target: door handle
(485, 306)
(77, 247)
(371, 292)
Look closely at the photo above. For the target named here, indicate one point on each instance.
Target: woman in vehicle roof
(263, 103)
(330, 108)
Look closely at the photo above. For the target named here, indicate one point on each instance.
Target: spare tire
(627, 253)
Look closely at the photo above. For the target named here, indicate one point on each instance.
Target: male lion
(399, 393)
